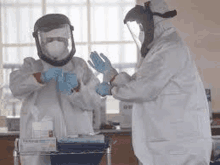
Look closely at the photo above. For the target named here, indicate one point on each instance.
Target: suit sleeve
(22, 82)
(154, 74)
(86, 98)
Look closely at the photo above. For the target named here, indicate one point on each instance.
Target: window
(98, 26)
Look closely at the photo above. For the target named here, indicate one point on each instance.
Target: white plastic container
(43, 129)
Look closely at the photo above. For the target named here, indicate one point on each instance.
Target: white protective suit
(170, 118)
(71, 113)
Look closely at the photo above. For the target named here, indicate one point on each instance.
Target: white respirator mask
(56, 49)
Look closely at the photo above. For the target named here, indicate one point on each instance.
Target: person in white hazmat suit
(57, 87)
(170, 117)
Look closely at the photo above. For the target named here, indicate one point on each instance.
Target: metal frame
(16, 153)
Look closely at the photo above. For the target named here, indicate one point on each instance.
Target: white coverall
(170, 118)
(71, 113)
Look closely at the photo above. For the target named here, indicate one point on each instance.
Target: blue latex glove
(67, 82)
(100, 65)
(52, 73)
(103, 89)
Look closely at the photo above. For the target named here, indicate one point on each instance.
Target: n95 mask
(55, 49)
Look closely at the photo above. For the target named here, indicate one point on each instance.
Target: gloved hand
(103, 89)
(52, 73)
(67, 82)
(101, 66)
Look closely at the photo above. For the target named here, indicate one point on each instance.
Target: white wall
(198, 23)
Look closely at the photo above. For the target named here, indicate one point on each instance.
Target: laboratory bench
(122, 151)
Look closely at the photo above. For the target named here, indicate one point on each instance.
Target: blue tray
(79, 153)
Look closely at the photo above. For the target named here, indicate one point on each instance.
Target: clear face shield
(137, 33)
(57, 43)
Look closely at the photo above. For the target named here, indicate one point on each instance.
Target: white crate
(38, 145)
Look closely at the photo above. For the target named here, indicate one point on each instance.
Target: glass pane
(6, 78)
(78, 18)
(113, 29)
(7, 93)
(19, 22)
(35, 14)
(8, 108)
(67, 1)
(25, 32)
(28, 52)
(129, 54)
(63, 10)
(112, 1)
(10, 25)
(9, 1)
(98, 23)
(24, 1)
(28, 1)
(36, 1)
(82, 52)
(126, 35)
(33, 52)
(105, 24)
(3, 26)
(111, 51)
(10, 55)
(50, 10)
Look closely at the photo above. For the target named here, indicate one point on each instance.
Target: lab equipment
(72, 151)
(126, 113)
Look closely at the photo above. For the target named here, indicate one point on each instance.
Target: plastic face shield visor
(137, 33)
(56, 43)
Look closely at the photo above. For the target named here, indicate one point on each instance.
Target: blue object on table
(84, 153)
